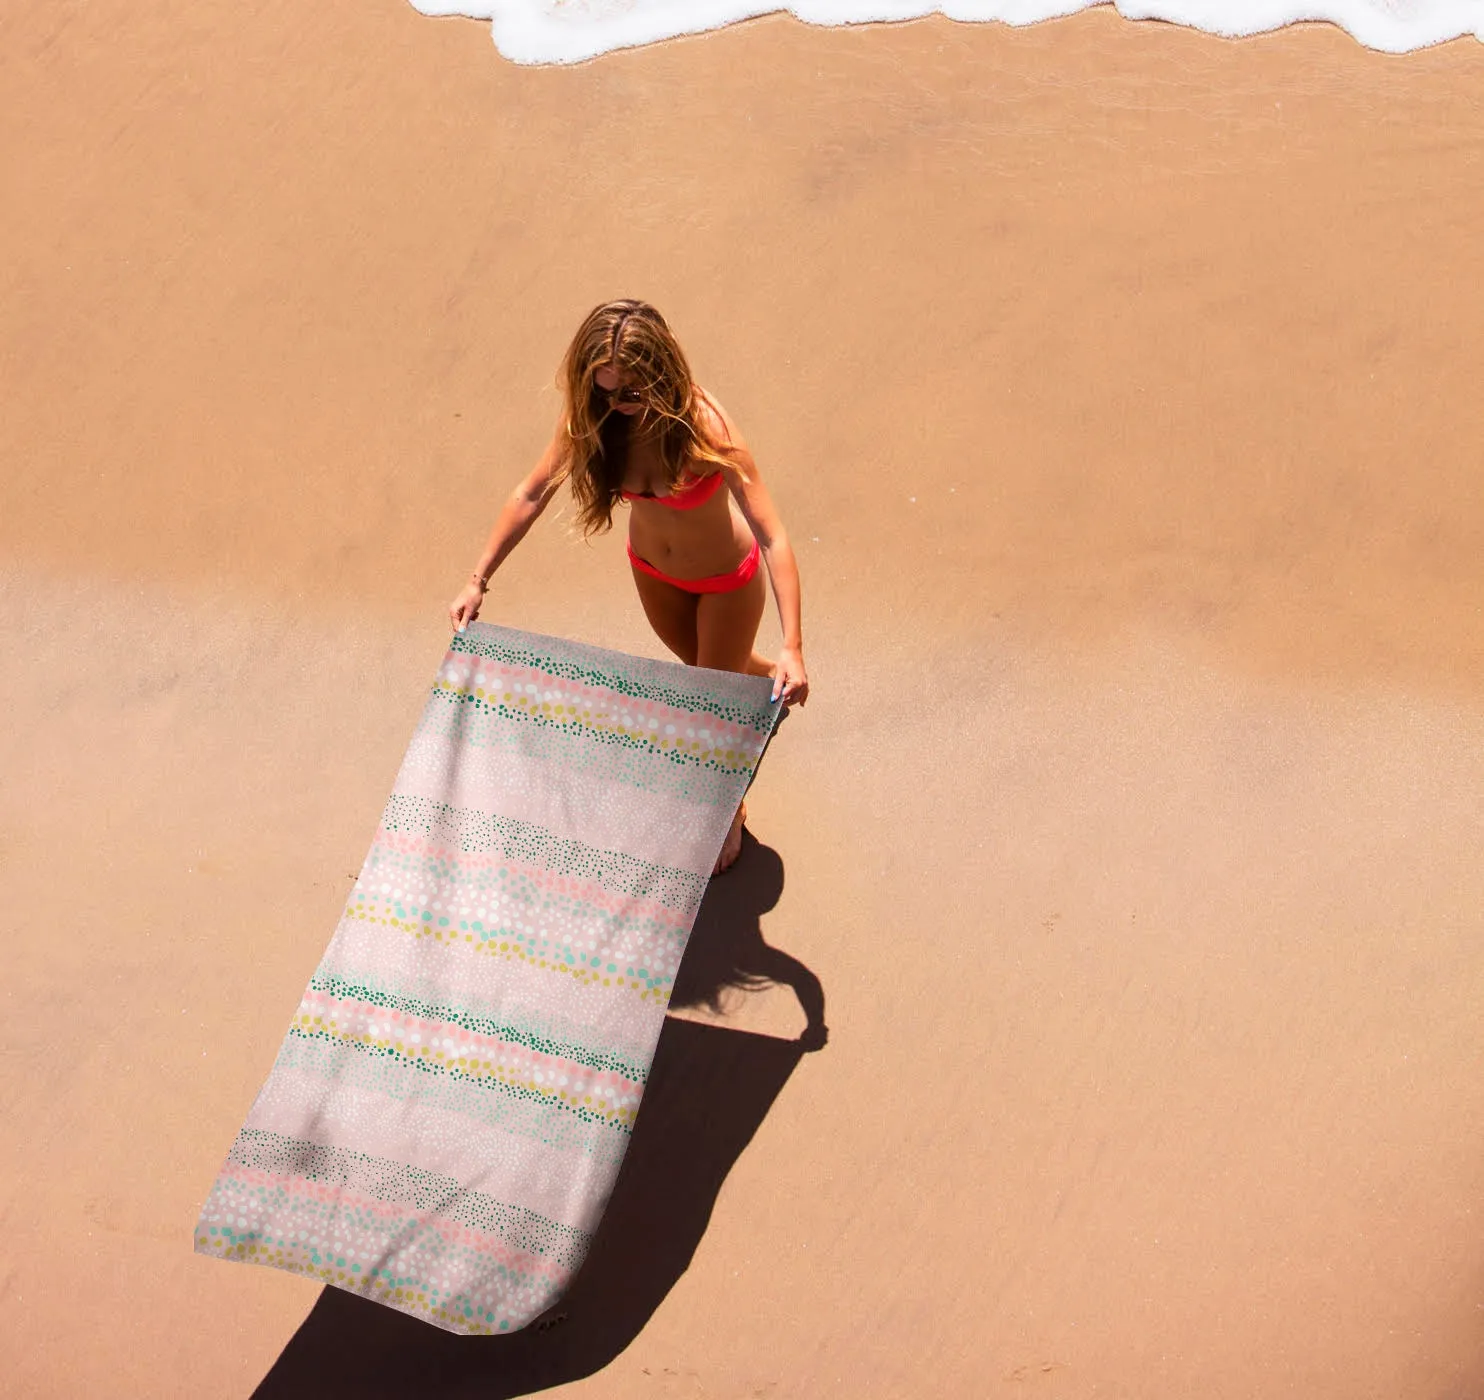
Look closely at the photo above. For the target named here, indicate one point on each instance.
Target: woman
(637, 428)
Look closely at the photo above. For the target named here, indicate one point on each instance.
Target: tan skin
(716, 630)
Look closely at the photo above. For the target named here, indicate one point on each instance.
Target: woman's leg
(726, 628)
(671, 612)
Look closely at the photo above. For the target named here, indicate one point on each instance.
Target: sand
(1118, 386)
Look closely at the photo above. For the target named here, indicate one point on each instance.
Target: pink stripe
(584, 892)
(440, 1041)
(593, 703)
(395, 1217)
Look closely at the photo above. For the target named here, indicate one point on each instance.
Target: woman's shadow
(709, 1088)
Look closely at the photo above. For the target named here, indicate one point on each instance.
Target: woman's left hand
(790, 681)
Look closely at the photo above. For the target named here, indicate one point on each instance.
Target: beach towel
(446, 1116)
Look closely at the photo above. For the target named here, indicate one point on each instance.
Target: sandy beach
(1118, 386)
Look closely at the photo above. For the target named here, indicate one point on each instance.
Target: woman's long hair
(632, 338)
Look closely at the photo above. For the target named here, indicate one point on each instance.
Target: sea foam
(567, 31)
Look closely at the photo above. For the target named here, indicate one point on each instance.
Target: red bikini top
(701, 490)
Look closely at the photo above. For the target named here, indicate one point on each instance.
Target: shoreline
(530, 33)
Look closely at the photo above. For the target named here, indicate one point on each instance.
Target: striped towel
(445, 1119)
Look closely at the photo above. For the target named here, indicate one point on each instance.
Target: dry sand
(1119, 386)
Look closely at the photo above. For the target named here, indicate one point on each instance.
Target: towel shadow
(709, 1088)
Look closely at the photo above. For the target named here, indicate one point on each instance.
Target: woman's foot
(731, 848)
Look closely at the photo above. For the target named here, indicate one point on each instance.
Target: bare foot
(731, 848)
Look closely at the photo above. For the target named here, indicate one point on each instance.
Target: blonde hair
(633, 339)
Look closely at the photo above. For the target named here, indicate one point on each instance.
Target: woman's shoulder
(723, 438)
(713, 420)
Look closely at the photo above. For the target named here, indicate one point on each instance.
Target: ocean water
(567, 31)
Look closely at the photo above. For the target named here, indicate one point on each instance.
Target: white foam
(568, 31)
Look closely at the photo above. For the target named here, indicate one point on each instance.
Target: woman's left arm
(790, 680)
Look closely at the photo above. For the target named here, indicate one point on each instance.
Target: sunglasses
(626, 396)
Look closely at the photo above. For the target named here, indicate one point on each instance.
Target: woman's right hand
(465, 608)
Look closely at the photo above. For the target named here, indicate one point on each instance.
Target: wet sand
(1117, 385)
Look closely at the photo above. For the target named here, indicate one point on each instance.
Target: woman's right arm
(525, 503)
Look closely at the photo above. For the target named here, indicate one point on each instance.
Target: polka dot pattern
(449, 1108)
(688, 690)
(636, 749)
(523, 844)
(387, 1008)
(414, 1239)
(569, 926)
(522, 1118)
(439, 1046)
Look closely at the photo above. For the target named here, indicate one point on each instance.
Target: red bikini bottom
(716, 583)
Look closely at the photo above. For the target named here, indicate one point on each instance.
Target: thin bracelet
(479, 578)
